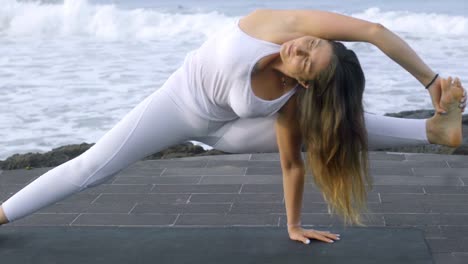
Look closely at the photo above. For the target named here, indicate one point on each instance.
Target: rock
(52, 158)
(63, 154)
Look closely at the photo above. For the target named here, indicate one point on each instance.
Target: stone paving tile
(218, 171)
(228, 157)
(275, 208)
(262, 188)
(397, 189)
(257, 208)
(391, 171)
(458, 164)
(454, 231)
(318, 197)
(140, 171)
(257, 179)
(445, 172)
(142, 198)
(314, 207)
(264, 171)
(120, 188)
(435, 157)
(386, 156)
(403, 180)
(430, 231)
(77, 208)
(408, 164)
(446, 189)
(464, 180)
(425, 219)
(200, 188)
(401, 207)
(274, 188)
(21, 173)
(236, 198)
(80, 198)
(16, 179)
(10, 188)
(243, 163)
(427, 198)
(124, 220)
(265, 156)
(446, 245)
(227, 220)
(39, 219)
(449, 208)
(192, 208)
(158, 180)
(450, 258)
(177, 163)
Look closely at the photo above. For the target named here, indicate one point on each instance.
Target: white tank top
(218, 77)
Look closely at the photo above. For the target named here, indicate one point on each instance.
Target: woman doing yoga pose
(275, 80)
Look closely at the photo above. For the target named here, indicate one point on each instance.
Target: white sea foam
(418, 24)
(70, 71)
(79, 18)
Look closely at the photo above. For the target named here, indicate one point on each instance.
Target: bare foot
(447, 129)
(3, 219)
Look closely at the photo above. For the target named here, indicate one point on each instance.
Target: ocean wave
(417, 23)
(81, 18)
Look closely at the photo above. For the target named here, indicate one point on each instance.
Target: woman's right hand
(302, 235)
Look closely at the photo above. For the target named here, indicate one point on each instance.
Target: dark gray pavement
(424, 191)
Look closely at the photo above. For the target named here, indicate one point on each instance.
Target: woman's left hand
(435, 90)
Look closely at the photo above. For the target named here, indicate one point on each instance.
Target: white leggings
(160, 121)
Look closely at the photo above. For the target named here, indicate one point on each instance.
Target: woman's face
(305, 57)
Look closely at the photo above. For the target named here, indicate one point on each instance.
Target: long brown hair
(333, 128)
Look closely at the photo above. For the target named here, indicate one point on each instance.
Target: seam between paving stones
(75, 219)
(133, 208)
(92, 202)
(448, 164)
(175, 220)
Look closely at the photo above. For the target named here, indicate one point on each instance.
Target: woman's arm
(333, 26)
(289, 144)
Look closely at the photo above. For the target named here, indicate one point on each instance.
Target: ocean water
(70, 70)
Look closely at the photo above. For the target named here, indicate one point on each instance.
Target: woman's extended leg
(259, 135)
(154, 124)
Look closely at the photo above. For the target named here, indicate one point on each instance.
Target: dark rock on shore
(62, 154)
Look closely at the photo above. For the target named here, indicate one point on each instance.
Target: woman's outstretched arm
(333, 26)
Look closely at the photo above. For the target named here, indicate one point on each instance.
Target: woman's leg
(154, 124)
(259, 135)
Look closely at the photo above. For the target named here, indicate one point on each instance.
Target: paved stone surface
(425, 191)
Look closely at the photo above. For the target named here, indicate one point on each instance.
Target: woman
(279, 75)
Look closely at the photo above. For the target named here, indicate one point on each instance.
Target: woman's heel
(3, 219)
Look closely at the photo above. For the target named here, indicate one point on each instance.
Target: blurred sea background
(70, 70)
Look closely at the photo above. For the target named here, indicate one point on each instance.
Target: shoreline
(62, 154)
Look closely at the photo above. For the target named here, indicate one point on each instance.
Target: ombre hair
(333, 129)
